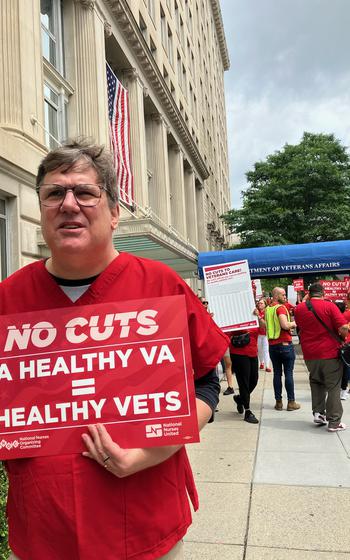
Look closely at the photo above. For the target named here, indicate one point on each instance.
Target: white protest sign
(291, 294)
(230, 295)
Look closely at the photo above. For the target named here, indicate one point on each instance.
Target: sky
(289, 73)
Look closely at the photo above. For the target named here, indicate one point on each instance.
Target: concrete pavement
(276, 490)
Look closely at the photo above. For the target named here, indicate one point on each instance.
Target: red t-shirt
(262, 330)
(316, 342)
(285, 336)
(346, 314)
(250, 349)
(289, 307)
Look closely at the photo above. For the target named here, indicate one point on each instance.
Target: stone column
(21, 86)
(191, 210)
(157, 159)
(87, 76)
(177, 190)
(135, 88)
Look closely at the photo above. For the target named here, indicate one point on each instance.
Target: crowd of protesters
(322, 327)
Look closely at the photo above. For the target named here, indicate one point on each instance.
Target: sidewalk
(276, 490)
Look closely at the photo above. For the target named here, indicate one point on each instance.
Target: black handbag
(240, 340)
(344, 350)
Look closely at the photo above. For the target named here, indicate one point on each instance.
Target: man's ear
(115, 217)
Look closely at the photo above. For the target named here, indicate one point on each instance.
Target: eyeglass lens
(85, 195)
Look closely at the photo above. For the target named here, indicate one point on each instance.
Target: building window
(152, 46)
(55, 116)
(182, 33)
(179, 69)
(170, 47)
(177, 17)
(52, 33)
(143, 26)
(3, 240)
(163, 28)
(151, 9)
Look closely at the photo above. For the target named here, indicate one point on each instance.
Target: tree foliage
(300, 194)
(4, 551)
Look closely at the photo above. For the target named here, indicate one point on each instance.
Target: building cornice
(126, 22)
(221, 33)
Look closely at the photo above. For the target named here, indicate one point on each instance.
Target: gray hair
(73, 151)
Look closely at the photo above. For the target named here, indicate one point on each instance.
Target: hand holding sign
(122, 462)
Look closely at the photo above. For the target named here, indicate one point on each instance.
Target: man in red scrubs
(108, 503)
(321, 354)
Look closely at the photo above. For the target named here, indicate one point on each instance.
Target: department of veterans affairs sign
(125, 364)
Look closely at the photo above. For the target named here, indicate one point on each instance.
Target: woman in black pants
(245, 365)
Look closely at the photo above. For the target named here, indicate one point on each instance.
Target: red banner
(334, 289)
(298, 284)
(125, 364)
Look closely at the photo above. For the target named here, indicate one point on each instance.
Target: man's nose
(69, 203)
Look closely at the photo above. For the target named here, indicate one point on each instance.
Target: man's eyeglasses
(53, 196)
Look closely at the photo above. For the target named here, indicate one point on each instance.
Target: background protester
(245, 363)
(263, 344)
(321, 355)
(244, 357)
(278, 330)
(228, 372)
(346, 369)
(108, 502)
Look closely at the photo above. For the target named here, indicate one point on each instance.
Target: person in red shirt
(282, 351)
(290, 308)
(321, 355)
(346, 369)
(108, 503)
(263, 344)
(244, 360)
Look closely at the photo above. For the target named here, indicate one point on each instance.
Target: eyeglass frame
(71, 189)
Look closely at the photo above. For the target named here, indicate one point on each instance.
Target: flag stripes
(119, 127)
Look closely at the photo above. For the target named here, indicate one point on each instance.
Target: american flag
(119, 127)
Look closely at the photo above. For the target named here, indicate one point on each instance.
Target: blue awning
(286, 260)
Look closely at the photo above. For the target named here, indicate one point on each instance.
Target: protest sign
(335, 289)
(291, 295)
(230, 295)
(124, 364)
(298, 284)
(258, 288)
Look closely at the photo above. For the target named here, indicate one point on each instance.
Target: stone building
(171, 56)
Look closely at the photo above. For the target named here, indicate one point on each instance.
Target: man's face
(73, 229)
(281, 296)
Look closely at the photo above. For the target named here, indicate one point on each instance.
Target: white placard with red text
(230, 295)
(124, 364)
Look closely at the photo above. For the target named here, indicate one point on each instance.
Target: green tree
(4, 551)
(300, 194)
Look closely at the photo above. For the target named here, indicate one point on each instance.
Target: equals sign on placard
(83, 386)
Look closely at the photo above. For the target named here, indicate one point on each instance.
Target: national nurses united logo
(9, 444)
(154, 430)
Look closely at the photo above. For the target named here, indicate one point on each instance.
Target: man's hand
(122, 462)
(285, 324)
